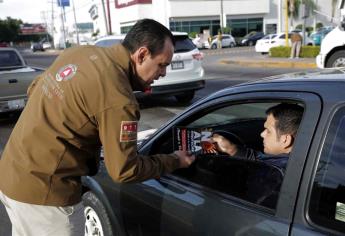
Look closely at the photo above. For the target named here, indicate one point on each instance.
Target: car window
(9, 58)
(226, 37)
(108, 42)
(183, 44)
(327, 202)
(249, 180)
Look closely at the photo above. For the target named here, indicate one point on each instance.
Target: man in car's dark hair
(150, 33)
(83, 101)
(279, 133)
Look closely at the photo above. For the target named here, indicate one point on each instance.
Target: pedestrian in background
(219, 40)
(296, 43)
(83, 101)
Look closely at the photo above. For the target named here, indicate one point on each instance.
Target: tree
(9, 29)
(295, 5)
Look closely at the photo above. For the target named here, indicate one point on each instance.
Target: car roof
(316, 81)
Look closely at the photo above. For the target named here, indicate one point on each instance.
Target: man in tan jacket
(82, 101)
(296, 44)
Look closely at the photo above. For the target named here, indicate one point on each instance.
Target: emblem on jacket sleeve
(128, 131)
(66, 73)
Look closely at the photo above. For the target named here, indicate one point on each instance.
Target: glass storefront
(241, 27)
(195, 26)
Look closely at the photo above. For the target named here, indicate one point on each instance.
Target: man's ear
(287, 140)
(142, 54)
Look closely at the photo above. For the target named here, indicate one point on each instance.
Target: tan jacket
(82, 101)
(296, 37)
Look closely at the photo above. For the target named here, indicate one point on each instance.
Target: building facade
(238, 16)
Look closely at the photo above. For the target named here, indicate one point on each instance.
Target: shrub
(318, 25)
(306, 51)
(192, 34)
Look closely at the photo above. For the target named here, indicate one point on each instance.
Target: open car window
(244, 179)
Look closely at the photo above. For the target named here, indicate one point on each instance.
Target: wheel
(213, 46)
(336, 60)
(97, 221)
(232, 45)
(186, 97)
(250, 43)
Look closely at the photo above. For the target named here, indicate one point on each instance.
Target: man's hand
(185, 158)
(224, 145)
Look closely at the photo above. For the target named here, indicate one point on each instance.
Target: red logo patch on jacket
(128, 131)
(66, 72)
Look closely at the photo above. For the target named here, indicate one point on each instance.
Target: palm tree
(294, 7)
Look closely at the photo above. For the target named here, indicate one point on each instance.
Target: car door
(226, 41)
(196, 207)
(321, 202)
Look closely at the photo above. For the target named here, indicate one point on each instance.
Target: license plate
(177, 65)
(16, 104)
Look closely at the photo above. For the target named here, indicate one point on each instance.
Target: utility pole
(109, 17)
(286, 23)
(52, 26)
(221, 16)
(105, 18)
(75, 23)
(62, 10)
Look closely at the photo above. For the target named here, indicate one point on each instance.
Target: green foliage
(9, 29)
(306, 51)
(226, 30)
(300, 27)
(318, 25)
(192, 34)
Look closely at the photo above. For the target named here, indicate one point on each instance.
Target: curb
(271, 64)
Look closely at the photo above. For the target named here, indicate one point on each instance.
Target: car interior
(252, 181)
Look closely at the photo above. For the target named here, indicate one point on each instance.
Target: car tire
(250, 43)
(213, 46)
(186, 97)
(97, 221)
(336, 60)
(232, 45)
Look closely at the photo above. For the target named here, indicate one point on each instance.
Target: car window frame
(286, 204)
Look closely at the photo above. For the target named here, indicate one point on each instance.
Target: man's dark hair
(288, 117)
(148, 33)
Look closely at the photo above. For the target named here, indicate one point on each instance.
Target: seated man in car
(279, 133)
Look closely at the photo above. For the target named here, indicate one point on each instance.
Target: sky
(33, 11)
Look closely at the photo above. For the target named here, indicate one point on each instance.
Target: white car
(274, 40)
(227, 41)
(201, 43)
(184, 75)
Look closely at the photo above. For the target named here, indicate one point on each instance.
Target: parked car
(318, 36)
(275, 40)
(185, 73)
(16, 76)
(227, 41)
(214, 196)
(201, 43)
(251, 38)
(38, 46)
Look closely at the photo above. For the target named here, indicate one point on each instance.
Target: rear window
(183, 44)
(9, 58)
(108, 42)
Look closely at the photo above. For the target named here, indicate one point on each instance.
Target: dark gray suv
(222, 195)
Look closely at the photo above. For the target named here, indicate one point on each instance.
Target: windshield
(183, 44)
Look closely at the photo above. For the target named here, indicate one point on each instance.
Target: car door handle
(11, 81)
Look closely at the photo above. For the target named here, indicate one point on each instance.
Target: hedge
(306, 51)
